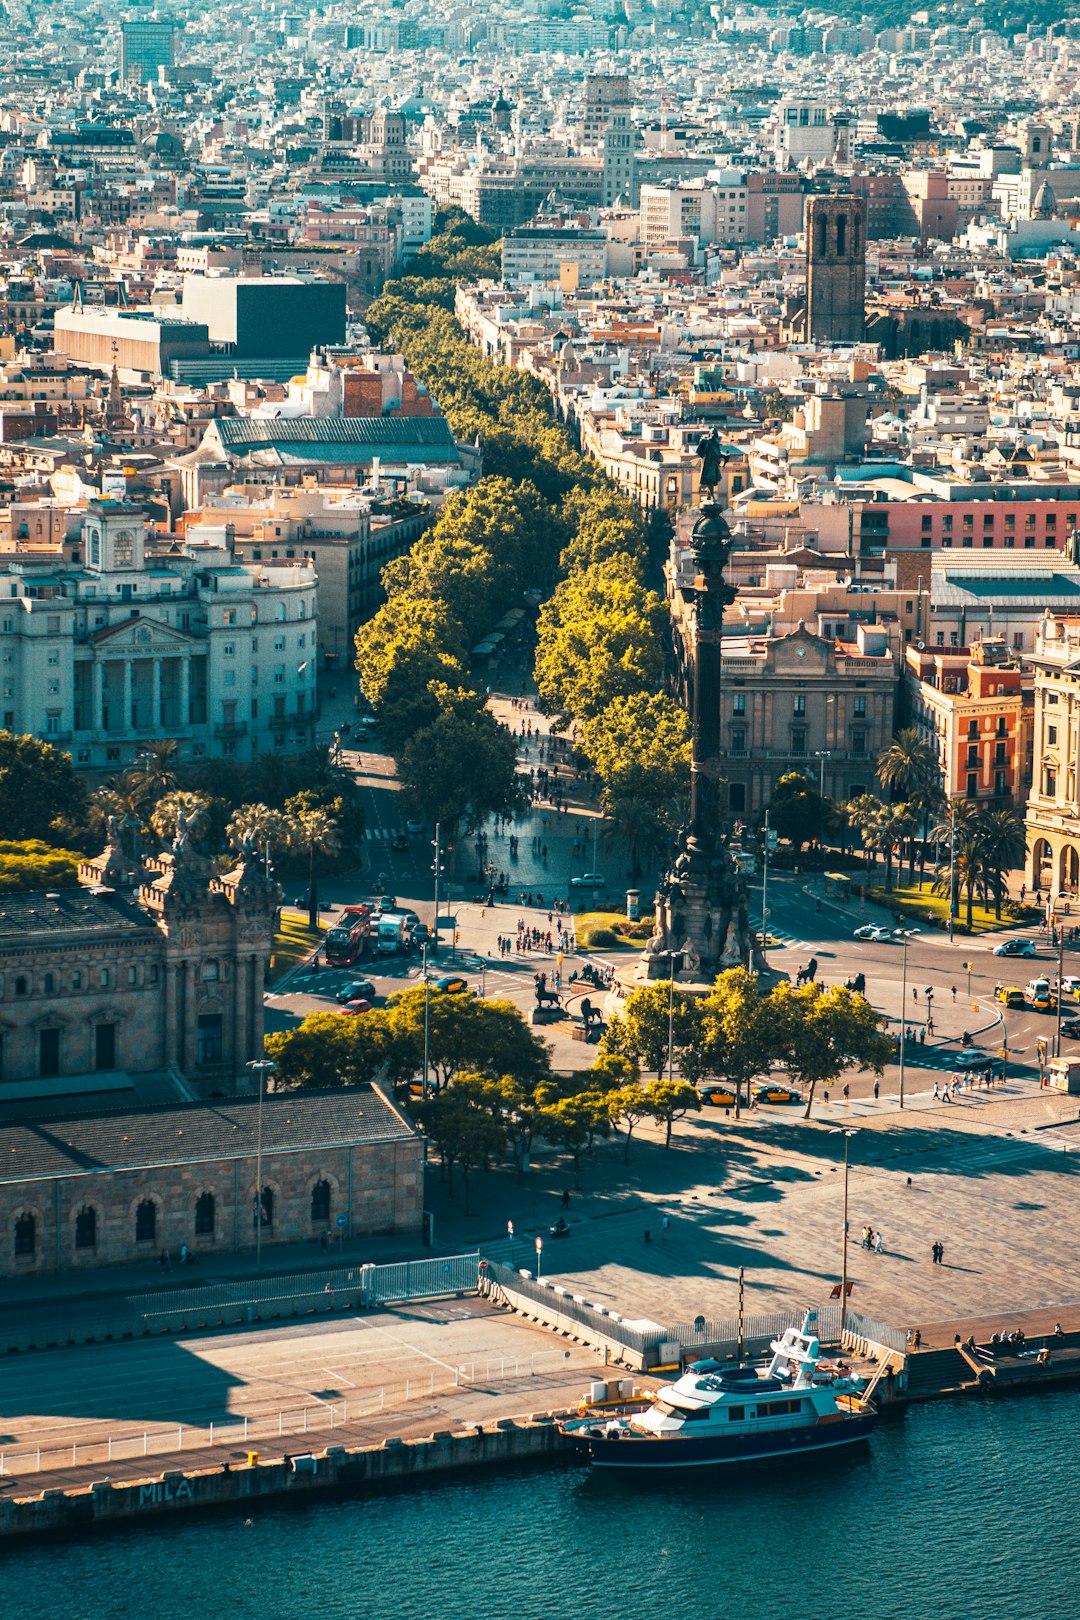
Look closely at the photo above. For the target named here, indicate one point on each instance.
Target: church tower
(835, 269)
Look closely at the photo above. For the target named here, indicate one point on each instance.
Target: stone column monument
(701, 905)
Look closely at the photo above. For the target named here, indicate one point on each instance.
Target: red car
(357, 1006)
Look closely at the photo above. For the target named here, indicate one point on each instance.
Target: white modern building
(119, 645)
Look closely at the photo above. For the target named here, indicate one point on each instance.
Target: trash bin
(253, 1457)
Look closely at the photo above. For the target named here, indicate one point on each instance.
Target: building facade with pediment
(157, 971)
(115, 643)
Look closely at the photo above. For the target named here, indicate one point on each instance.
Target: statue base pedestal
(701, 915)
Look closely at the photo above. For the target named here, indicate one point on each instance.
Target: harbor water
(954, 1509)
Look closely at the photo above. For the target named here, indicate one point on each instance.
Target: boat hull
(717, 1451)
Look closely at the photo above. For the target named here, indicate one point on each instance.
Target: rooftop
(69, 910)
(89, 1143)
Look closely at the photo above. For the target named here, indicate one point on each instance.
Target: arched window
(856, 228)
(822, 236)
(841, 234)
(50, 983)
(210, 969)
(20, 986)
(267, 1207)
(86, 1228)
(25, 1235)
(204, 1215)
(146, 1221)
(320, 1201)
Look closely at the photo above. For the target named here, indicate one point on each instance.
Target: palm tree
(865, 814)
(1003, 843)
(317, 832)
(909, 768)
(895, 823)
(632, 822)
(961, 831)
(267, 829)
(124, 796)
(163, 817)
(159, 758)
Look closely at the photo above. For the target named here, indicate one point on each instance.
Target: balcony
(231, 728)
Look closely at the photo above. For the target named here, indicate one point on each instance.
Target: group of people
(872, 1240)
(937, 1253)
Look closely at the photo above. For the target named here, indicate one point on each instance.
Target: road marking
(425, 1355)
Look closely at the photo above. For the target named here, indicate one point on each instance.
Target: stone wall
(377, 1186)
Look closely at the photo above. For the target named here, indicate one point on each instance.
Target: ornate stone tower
(835, 269)
(701, 907)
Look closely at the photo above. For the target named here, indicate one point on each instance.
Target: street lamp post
(510, 1235)
(427, 1015)
(822, 755)
(952, 869)
(847, 1133)
(765, 893)
(539, 1252)
(907, 937)
(260, 1065)
(671, 1016)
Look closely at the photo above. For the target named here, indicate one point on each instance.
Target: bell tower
(114, 537)
(836, 269)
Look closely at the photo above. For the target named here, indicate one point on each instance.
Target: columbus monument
(701, 904)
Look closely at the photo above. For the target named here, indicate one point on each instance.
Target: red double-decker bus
(348, 938)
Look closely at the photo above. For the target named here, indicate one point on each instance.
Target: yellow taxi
(1009, 995)
(717, 1096)
(779, 1096)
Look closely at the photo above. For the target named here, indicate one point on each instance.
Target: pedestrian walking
(916, 1339)
(937, 1092)
(666, 1223)
(952, 989)
(877, 1089)
(930, 1024)
(922, 1037)
(879, 1241)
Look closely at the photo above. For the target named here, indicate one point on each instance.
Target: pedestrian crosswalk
(786, 941)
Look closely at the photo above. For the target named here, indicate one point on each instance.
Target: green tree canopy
(823, 1033)
(641, 1031)
(599, 639)
(459, 768)
(38, 786)
(29, 864)
(330, 1049)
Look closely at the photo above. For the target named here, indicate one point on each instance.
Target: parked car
(587, 880)
(780, 1096)
(875, 933)
(400, 841)
(1071, 1028)
(414, 828)
(359, 1005)
(1070, 985)
(1016, 947)
(717, 1096)
(357, 990)
(1010, 995)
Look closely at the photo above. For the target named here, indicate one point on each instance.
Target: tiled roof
(90, 1143)
(71, 910)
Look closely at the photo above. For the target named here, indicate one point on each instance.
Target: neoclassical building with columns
(111, 643)
(1053, 812)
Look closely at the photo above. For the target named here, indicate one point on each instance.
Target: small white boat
(714, 1414)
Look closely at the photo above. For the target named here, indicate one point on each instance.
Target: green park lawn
(616, 923)
(293, 942)
(918, 901)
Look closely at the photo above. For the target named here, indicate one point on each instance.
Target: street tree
(463, 1131)
(600, 637)
(460, 768)
(1003, 843)
(573, 1123)
(328, 1050)
(669, 1100)
(796, 810)
(738, 1030)
(490, 1038)
(654, 1021)
(824, 1033)
(629, 1106)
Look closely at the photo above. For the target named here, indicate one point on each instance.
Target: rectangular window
(860, 705)
(230, 616)
(800, 704)
(738, 703)
(209, 1043)
(1051, 734)
(972, 785)
(738, 739)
